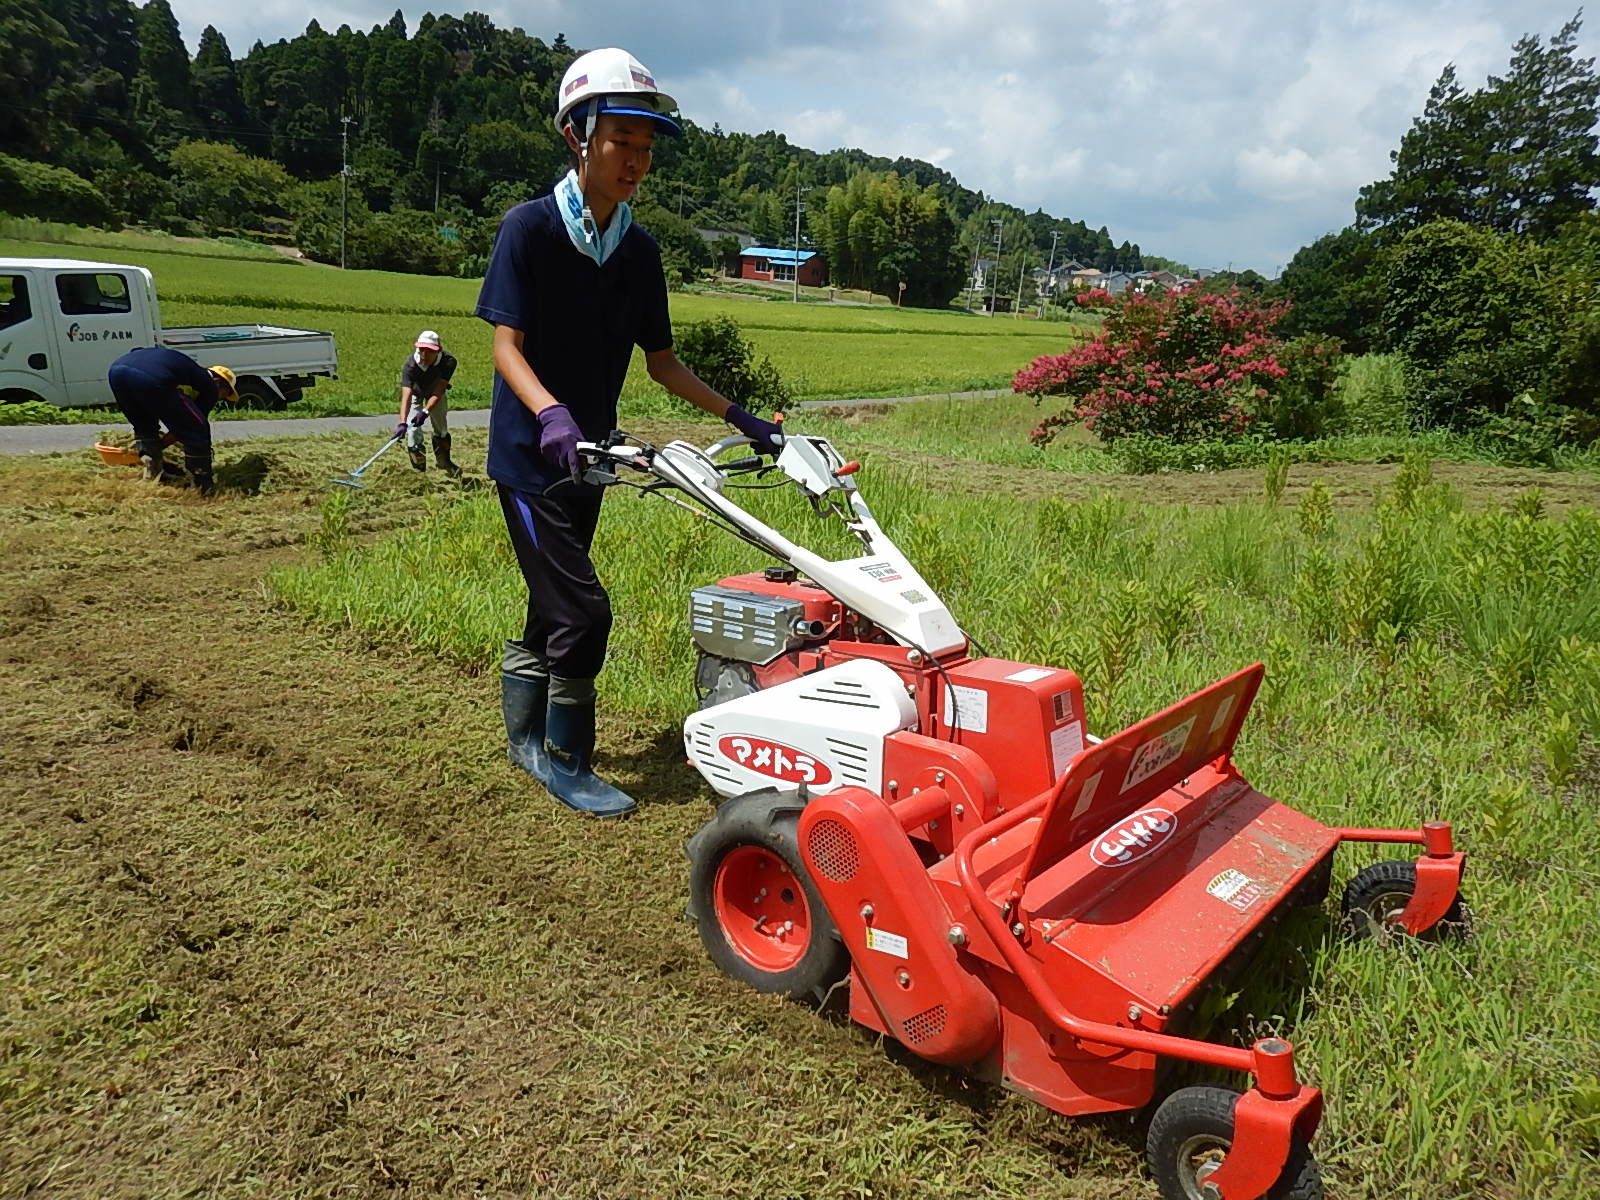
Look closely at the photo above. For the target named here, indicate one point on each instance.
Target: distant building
(776, 265)
(745, 240)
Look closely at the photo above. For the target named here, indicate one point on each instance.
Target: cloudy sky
(1216, 133)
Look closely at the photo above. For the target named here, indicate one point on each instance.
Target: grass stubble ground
(280, 920)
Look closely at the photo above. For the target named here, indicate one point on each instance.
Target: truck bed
(256, 349)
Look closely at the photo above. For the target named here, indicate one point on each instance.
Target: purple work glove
(559, 436)
(399, 430)
(763, 435)
(418, 417)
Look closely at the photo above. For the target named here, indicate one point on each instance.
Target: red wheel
(759, 916)
(761, 906)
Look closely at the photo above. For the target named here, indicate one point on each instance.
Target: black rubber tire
(1195, 1124)
(767, 819)
(20, 396)
(255, 392)
(1377, 893)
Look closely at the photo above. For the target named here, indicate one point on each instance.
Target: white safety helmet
(613, 81)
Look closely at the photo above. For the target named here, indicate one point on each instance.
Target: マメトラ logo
(1133, 838)
(774, 759)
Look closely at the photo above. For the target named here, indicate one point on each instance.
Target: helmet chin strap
(590, 229)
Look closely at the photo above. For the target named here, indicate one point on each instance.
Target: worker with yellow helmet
(155, 386)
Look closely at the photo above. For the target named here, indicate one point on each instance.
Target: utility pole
(1049, 273)
(798, 209)
(1016, 311)
(344, 186)
(435, 187)
(972, 279)
(680, 197)
(999, 244)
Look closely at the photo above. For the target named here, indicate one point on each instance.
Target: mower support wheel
(1376, 896)
(757, 911)
(1192, 1132)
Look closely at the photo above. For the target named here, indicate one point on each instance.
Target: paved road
(51, 439)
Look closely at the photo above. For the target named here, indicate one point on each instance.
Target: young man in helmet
(155, 386)
(424, 379)
(572, 287)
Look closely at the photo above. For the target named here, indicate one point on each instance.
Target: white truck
(63, 321)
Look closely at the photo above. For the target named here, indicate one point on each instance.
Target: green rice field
(822, 351)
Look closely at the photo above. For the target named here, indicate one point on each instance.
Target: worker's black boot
(441, 455)
(569, 742)
(198, 464)
(524, 696)
(418, 456)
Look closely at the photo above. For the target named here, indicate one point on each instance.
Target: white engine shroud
(825, 731)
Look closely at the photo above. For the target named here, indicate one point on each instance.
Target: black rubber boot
(441, 455)
(524, 697)
(418, 456)
(569, 742)
(198, 464)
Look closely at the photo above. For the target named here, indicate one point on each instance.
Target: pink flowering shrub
(1185, 365)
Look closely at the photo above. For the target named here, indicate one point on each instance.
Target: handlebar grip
(743, 464)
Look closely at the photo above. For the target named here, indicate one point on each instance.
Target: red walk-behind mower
(1004, 892)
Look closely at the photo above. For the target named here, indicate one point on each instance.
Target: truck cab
(63, 322)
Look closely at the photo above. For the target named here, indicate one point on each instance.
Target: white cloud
(1208, 131)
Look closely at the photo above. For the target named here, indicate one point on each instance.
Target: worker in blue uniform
(155, 386)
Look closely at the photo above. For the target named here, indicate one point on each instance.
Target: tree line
(1477, 260)
(105, 118)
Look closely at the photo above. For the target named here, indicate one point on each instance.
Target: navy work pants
(569, 613)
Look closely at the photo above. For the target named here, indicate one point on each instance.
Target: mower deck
(1157, 928)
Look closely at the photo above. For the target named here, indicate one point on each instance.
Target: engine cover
(745, 626)
(825, 731)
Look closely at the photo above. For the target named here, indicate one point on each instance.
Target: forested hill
(449, 119)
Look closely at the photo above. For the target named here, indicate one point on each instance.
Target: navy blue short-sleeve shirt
(580, 322)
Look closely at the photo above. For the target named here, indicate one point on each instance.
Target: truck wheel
(20, 396)
(1191, 1134)
(757, 911)
(1377, 895)
(255, 392)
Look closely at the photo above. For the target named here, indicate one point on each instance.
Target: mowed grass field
(822, 351)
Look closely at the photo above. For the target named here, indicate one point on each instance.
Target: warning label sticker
(967, 708)
(1235, 888)
(888, 943)
(1224, 711)
(1066, 744)
(1031, 674)
(1160, 751)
